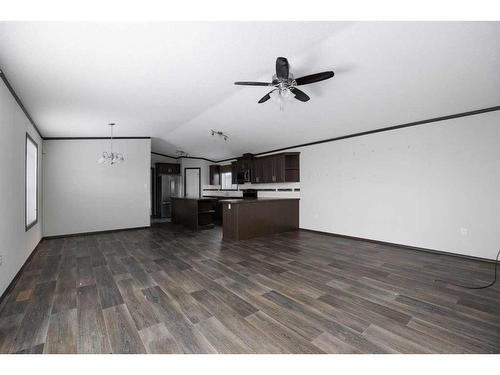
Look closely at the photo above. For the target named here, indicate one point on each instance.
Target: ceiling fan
(285, 84)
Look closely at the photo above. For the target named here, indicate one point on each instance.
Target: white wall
(83, 196)
(435, 186)
(162, 159)
(15, 243)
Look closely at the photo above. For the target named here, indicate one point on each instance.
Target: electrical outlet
(464, 231)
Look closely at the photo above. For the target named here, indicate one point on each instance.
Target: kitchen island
(249, 218)
(194, 213)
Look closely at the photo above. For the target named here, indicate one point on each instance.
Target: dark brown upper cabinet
(267, 169)
(234, 172)
(168, 168)
(278, 168)
(257, 175)
(244, 164)
(292, 166)
(282, 167)
(214, 172)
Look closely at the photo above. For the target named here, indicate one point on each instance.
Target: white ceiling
(174, 81)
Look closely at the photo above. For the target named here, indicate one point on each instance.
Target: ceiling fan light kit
(285, 85)
(111, 157)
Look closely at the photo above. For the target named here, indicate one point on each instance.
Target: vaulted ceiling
(174, 81)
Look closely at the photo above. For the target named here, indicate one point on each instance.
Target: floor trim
(407, 247)
(12, 284)
(92, 233)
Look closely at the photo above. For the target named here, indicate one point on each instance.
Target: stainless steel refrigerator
(170, 187)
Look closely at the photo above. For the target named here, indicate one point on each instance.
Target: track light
(219, 133)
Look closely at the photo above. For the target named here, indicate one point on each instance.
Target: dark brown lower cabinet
(194, 213)
(243, 219)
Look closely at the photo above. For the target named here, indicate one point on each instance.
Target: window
(31, 181)
(226, 179)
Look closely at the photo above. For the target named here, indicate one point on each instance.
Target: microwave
(244, 176)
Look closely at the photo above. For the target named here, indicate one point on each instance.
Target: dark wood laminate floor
(161, 290)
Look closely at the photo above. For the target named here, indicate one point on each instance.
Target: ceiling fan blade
(299, 94)
(314, 78)
(266, 97)
(282, 68)
(253, 83)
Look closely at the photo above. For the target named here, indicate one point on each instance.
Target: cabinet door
(278, 168)
(257, 175)
(292, 167)
(173, 168)
(176, 169)
(214, 174)
(234, 173)
(160, 168)
(168, 168)
(267, 169)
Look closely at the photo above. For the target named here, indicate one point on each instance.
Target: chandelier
(111, 157)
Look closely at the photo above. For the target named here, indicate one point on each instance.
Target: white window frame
(30, 192)
(224, 177)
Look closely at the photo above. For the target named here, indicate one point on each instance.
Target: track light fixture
(219, 133)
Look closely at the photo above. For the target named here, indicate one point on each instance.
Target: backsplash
(278, 190)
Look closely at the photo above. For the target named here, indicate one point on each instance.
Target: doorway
(192, 182)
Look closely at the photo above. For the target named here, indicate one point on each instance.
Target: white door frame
(199, 180)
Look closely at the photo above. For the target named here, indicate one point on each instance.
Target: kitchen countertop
(194, 199)
(220, 197)
(255, 200)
